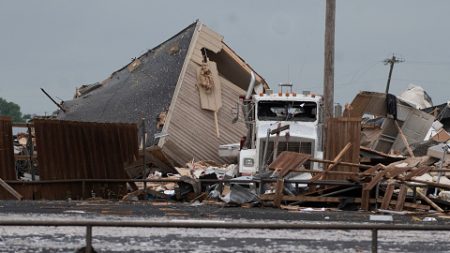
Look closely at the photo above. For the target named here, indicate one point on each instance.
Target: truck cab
(283, 121)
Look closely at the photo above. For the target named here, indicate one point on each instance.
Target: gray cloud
(59, 45)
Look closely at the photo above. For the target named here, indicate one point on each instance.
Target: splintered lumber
(401, 198)
(407, 204)
(10, 190)
(314, 190)
(336, 161)
(395, 171)
(288, 161)
(365, 199)
(375, 180)
(405, 141)
(417, 172)
(364, 166)
(388, 195)
(443, 186)
(278, 192)
(429, 201)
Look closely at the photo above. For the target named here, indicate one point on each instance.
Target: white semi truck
(280, 121)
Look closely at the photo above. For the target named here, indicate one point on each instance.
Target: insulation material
(416, 96)
(210, 89)
(208, 83)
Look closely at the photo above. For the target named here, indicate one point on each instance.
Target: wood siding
(209, 39)
(192, 132)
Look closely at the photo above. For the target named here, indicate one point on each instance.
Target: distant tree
(27, 117)
(10, 109)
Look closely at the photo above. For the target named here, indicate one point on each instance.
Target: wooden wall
(209, 39)
(341, 131)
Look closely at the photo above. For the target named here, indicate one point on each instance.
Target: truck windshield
(287, 111)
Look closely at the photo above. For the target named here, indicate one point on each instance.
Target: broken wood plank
(407, 205)
(395, 171)
(429, 201)
(336, 161)
(375, 180)
(373, 169)
(365, 198)
(443, 186)
(417, 172)
(401, 198)
(342, 163)
(388, 195)
(288, 161)
(313, 190)
(405, 141)
(10, 190)
(24, 157)
(278, 192)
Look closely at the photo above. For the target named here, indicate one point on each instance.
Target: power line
(429, 62)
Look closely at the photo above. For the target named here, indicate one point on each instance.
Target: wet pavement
(68, 239)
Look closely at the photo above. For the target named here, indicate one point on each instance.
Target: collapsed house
(184, 97)
(185, 90)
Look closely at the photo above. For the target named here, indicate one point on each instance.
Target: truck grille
(305, 147)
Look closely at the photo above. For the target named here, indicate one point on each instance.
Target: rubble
(390, 177)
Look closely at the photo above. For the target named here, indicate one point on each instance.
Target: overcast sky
(59, 45)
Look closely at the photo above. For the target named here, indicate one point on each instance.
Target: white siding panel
(192, 131)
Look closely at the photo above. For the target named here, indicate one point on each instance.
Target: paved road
(67, 239)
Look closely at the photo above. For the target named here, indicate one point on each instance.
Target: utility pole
(391, 61)
(328, 74)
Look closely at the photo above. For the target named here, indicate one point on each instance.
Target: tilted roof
(141, 89)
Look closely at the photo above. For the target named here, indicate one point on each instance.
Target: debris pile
(404, 165)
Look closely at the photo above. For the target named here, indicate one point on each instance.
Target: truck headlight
(249, 162)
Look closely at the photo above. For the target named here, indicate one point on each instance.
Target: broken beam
(10, 190)
(336, 161)
(405, 141)
(429, 201)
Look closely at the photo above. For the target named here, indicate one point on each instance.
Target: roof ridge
(156, 47)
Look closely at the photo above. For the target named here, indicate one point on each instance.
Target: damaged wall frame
(402, 125)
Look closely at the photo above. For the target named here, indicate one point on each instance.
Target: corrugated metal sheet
(341, 131)
(84, 150)
(7, 164)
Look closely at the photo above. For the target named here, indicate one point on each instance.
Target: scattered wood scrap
(396, 187)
